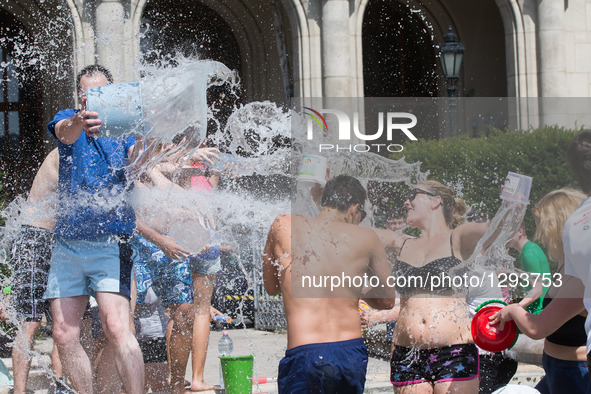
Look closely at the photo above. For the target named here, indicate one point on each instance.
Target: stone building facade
(524, 49)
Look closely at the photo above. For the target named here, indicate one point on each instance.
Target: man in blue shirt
(93, 229)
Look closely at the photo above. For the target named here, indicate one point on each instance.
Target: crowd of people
(433, 349)
(79, 262)
(82, 243)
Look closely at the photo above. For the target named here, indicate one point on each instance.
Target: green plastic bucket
(237, 373)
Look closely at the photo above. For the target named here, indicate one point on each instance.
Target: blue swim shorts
(208, 263)
(80, 267)
(171, 280)
(331, 367)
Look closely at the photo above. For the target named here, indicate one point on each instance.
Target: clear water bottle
(225, 347)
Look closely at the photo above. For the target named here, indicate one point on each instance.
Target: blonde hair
(454, 208)
(550, 213)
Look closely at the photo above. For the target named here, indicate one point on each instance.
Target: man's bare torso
(312, 255)
(41, 203)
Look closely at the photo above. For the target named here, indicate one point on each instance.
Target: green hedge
(476, 167)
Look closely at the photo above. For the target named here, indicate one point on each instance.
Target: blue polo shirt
(92, 185)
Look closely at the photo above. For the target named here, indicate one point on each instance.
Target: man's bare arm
(371, 317)
(380, 296)
(272, 255)
(391, 241)
(68, 130)
(389, 237)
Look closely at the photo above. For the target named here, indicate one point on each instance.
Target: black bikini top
(571, 333)
(410, 279)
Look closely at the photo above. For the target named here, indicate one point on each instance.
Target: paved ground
(267, 347)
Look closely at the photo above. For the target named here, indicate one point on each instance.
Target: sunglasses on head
(363, 213)
(413, 193)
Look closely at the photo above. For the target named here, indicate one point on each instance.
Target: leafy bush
(476, 167)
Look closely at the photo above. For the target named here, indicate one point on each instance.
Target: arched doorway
(21, 126)
(399, 58)
(190, 29)
(399, 61)
(171, 28)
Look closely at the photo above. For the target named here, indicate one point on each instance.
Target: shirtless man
(31, 253)
(325, 350)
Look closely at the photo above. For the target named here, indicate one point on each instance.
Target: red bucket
(488, 337)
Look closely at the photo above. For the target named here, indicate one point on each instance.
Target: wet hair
(550, 213)
(454, 208)
(578, 157)
(341, 192)
(92, 70)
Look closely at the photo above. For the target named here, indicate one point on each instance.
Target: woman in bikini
(433, 347)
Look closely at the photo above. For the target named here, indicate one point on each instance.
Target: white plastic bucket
(119, 107)
(313, 169)
(517, 188)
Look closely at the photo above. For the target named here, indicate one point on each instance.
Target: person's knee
(64, 334)
(201, 308)
(116, 330)
(183, 316)
(29, 330)
(24, 338)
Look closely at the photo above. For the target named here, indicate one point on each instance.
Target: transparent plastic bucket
(119, 106)
(191, 235)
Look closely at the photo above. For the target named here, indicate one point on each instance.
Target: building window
(21, 129)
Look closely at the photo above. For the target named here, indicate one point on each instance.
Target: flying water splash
(260, 136)
(491, 251)
(175, 111)
(277, 138)
(40, 52)
(175, 98)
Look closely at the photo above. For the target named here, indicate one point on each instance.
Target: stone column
(111, 45)
(551, 56)
(551, 48)
(336, 49)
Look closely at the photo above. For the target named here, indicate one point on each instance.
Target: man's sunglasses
(363, 213)
(413, 193)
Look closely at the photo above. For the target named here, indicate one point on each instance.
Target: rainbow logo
(317, 117)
